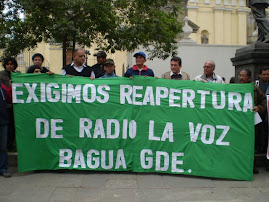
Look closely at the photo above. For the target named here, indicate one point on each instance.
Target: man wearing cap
(98, 68)
(109, 67)
(139, 68)
(176, 73)
(78, 66)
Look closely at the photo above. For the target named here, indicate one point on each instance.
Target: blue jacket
(109, 75)
(134, 71)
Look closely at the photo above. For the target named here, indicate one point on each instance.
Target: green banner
(142, 124)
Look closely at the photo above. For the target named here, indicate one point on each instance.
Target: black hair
(232, 80)
(248, 72)
(13, 61)
(177, 59)
(264, 69)
(32, 68)
(38, 55)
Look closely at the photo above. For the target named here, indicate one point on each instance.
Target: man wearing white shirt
(176, 73)
(78, 66)
(209, 75)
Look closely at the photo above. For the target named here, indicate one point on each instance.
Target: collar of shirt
(107, 74)
(145, 68)
(209, 79)
(171, 73)
(78, 69)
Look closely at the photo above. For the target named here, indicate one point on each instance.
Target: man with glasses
(259, 97)
(244, 76)
(209, 75)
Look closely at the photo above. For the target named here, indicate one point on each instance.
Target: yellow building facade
(221, 22)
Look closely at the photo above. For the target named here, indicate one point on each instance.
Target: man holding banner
(142, 124)
(5, 95)
(78, 67)
(263, 84)
(139, 68)
(260, 106)
(176, 73)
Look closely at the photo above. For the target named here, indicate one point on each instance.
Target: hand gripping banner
(142, 124)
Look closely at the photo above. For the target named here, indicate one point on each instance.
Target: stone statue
(258, 10)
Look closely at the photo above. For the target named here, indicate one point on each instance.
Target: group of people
(105, 68)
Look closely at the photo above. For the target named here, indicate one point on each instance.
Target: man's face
(140, 60)
(208, 68)
(9, 66)
(100, 60)
(265, 75)
(109, 68)
(37, 71)
(79, 58)
(175, 67)
(243, 77)
(37, 61)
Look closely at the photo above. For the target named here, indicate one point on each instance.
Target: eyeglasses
(242, 75)
(207, 67)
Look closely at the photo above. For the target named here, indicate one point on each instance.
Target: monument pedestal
(253, 57)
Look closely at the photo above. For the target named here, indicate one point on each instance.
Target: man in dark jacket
(263, 84)
(5, 96)
(260, 107)
(139, 68)
(263, 81)
(99, 67)
(10, 65)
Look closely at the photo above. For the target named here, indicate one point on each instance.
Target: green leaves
(111, 24)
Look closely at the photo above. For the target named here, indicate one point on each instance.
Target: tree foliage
(111, 24)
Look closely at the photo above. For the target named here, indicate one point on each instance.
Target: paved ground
(114, 186)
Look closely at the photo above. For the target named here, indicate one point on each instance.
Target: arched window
(204, 37)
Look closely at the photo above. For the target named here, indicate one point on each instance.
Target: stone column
(253, 57)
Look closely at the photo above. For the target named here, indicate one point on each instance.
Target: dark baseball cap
(101, 54)
(109, 62)
(140, 53)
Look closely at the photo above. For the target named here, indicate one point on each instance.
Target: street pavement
(120, 186)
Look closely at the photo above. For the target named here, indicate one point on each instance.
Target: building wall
(225, 20)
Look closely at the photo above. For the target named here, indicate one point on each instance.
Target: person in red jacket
(139, 68)
(5, 97)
